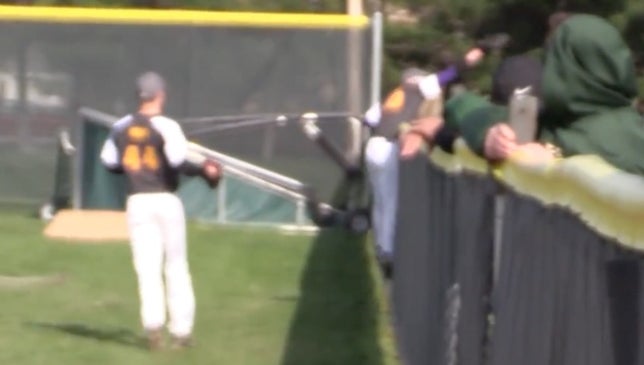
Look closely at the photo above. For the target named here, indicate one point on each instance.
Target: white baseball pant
(158, 240)
(382, 166)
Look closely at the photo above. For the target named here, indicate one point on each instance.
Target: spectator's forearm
(477, 123)
(427, 127)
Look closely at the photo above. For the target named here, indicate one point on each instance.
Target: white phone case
(523, 115)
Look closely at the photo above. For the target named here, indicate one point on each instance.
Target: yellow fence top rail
(179, 17)
(607, 199)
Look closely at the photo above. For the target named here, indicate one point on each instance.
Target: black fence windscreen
(564, 294)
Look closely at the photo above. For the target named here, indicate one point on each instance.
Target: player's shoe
(386, 261)
(154, 339)
(181, 342)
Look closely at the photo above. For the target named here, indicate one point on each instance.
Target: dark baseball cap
(516, 72)
(149, 85)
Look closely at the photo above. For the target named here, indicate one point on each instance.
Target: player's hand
(410, 145)
(500, 142)
(473, 57)
(212, 172)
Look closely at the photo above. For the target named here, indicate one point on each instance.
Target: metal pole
(376, 56)
(24, 124)
(300, 215)
(222, 214)
(354, 74)
(77, 170)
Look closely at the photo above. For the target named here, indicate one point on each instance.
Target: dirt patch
(88, 226)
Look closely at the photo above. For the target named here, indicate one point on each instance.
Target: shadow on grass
(120, 336)
(337, 316)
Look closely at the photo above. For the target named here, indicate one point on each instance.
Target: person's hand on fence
(410, 144)
(421, 132)
(535, 153)
(500, 142)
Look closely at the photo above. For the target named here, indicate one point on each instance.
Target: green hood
(588, 69)
(588, 88)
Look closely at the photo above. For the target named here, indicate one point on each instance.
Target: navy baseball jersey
(400, 106)
(148, 150)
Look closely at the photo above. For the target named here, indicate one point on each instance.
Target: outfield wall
(525, 263)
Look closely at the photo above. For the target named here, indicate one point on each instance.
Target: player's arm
(176, 152)
(110, 156)
(175, 148)
(432, 86)
(373, 115)
(175, 145)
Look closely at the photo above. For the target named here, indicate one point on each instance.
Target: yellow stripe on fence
(609, 200)
(179, 17)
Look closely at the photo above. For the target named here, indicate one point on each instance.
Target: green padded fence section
(244, 201)
(100, 189)
(63, 184)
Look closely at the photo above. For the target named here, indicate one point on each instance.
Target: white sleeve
(175, 142)
(373, 115)
(109, 154)
(430, 87)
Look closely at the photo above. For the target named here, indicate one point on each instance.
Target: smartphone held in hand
(524, 108)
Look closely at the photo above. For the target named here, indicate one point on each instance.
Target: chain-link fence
(51, 68)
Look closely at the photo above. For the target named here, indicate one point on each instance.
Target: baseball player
(151, 150)
(402, 105)
(381, 157)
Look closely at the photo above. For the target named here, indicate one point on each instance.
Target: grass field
(28, 172)
(262, 298)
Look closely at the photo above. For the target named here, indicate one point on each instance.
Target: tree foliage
(453, 24)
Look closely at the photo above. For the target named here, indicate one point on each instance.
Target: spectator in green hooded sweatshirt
(588, 92)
